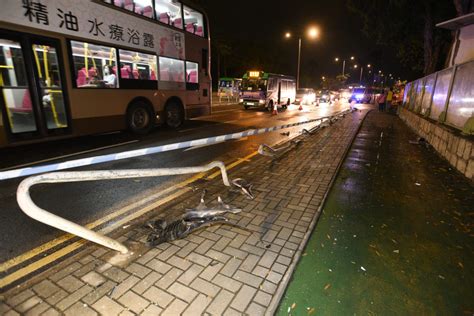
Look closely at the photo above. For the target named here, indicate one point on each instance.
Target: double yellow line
(178, 189)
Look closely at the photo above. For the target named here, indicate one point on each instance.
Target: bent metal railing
(277, 152)
(32, 210)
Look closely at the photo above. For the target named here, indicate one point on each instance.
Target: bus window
(192, 72)
(14, 88)
(95, 66)
(192, 76)
(169, 12)
(272, 84)
(254, 85)
(142, 7)
(193, 21)
(142, 66)
(171, 69)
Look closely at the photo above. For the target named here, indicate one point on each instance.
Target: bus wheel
(174, 115)
(139, 118)
(270, 106)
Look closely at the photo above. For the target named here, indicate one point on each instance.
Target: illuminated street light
(343, 63)
(313, 32)
(369, 65)
(355, 66)
(324, 78)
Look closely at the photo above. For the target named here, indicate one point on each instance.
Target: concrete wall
(450, 144)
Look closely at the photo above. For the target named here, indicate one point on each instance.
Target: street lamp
(362, 71)
(343, 64)
(312, 33)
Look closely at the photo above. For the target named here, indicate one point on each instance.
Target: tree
(409, 27)
(463, 6)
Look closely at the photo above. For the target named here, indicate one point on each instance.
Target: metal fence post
(443, 116)
(427, 114)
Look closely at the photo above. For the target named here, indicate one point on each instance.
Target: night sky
(249, 23)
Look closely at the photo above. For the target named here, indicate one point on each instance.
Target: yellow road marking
(55, 242)
(64, 251)
(72, 247)
(232, 165)
(12, 277)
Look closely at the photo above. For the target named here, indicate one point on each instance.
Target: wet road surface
(85, 202)
(395, 234)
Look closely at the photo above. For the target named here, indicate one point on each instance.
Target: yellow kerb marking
(64, 251)
(232, 165)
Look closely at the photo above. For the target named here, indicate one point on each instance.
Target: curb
(282, 287)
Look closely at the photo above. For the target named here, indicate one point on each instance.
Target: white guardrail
(31, 209)
(23, 172)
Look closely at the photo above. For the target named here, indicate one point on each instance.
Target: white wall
(465, 51)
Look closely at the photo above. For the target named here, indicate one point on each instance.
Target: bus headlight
(261, 102)
(241, 100)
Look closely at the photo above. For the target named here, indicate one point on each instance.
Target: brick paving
(220, 270)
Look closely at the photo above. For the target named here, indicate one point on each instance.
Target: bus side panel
(198, 102)
(288, 91)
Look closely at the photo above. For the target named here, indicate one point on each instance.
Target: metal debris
(266, 150)
(245, 187)
(420, 141)
(193, 219)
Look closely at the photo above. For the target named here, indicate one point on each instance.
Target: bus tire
(270, 106)
(140, 118)
(174, 114)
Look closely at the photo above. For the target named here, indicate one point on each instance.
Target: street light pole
(361, 71)
(299, 63)
(343, 67)
(313, 33)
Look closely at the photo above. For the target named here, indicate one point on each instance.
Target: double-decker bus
(263, 89)
(70, 68)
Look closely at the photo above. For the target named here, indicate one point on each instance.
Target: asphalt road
(85, 202)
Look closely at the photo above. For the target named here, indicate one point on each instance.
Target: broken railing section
(244, 187)
(32, 210)
(193, 219)
(278, 152)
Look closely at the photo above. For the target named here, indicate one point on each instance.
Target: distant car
(325, 97)
(305, 96)
(360, 95)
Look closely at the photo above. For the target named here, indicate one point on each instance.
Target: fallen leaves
(327, 286)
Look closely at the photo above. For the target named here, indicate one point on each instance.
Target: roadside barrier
(278, 152)
(268, 151)
(17, 173)
(32, 210)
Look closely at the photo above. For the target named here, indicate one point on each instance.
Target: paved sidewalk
(219, 270)
(395, 235)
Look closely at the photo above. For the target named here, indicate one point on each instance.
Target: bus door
(32, 96)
